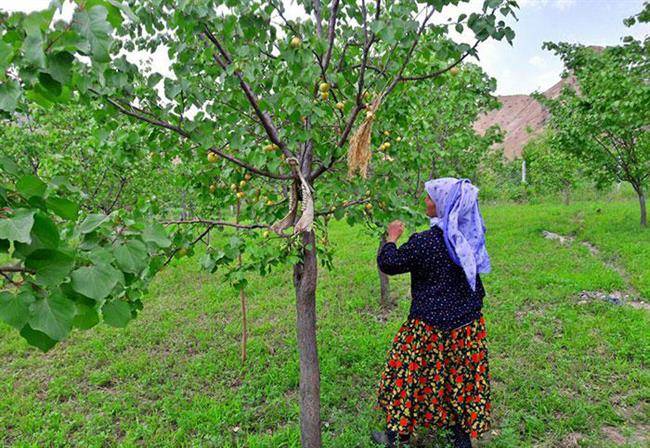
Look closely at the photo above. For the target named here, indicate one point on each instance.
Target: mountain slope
(521, 117)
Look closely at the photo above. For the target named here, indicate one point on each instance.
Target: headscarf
(459, 217)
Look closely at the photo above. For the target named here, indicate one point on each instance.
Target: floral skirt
(436, 377)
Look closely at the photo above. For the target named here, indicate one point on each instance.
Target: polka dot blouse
(439, 289)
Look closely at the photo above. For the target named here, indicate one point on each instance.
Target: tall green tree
(267, 102)
(549, 170)
(604, 121)
(427, 137)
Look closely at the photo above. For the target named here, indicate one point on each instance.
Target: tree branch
(443, 70)
(214, 223)
(13, 269)
(183, 133)
(331, 33)
(344, 205)
(264, 117)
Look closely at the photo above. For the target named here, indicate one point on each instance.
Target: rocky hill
(521, 117)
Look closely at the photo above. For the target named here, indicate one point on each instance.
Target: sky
(525, 66)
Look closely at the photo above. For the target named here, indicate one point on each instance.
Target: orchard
(271, 124)
(273, 98)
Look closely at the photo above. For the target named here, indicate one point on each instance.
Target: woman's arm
(393, 260)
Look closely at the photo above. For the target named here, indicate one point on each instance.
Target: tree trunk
(305, 276)
(384, 281)
(567, 194)
(642, 205)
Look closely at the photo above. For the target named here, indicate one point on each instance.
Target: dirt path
(629, 296)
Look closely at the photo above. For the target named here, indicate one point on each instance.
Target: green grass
(561, 370)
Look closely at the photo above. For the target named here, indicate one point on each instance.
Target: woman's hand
(394, 231)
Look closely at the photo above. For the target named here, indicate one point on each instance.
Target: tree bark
(384, 281)
(642, 206)
(305, 276)
(305, 279)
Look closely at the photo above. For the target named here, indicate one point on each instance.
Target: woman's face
(431, 206)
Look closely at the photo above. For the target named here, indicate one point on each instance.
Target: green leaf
(6, 55)
(30, 185)
(131, 256)
(9, 166)
(9, 94)
(64, 208)
(50, 266)
(51, 87)
(155, 233)
(18, 227)
(86, 317)
(116, 313)
(4, 246)
(33, 49)
(92, 24)
(92, 222)
(125, 8)
(95, 282)
(45, 234)
(113, 13)
(14, 308)
(59, 66)
(37, 338)
(52, 315)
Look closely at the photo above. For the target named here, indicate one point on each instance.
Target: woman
(437, 368)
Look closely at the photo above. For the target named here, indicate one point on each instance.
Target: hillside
(521, 117)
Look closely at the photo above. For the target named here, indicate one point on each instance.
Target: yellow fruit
(386, 145)
(242, 184)
(340, 105)
(324, 95)
(240, 194)
(266, 234)
(269, 202)
(233, 187)
(386, 133)
(247, 176)
(212, 157)
(324, 87)
(213, 188)
(369, 206)
(295, 42)
(275, 147)
(182, 251)
(332, 208)
(367, 192)
(454, 71)
(268, 147)
(399, 139)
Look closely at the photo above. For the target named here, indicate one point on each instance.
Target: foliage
(67, 269)
(548, 170)
(431, 136)
(110, 162)
(250, 90)
(604, 122)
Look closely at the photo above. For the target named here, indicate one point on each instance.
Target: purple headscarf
(459, 217)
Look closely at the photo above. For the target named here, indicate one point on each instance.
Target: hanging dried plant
(359, 151)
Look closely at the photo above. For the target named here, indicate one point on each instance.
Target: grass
(563, 371)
